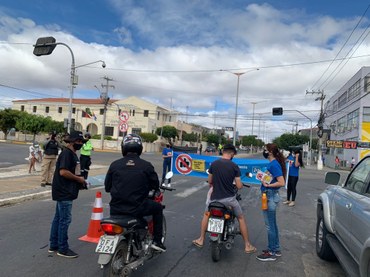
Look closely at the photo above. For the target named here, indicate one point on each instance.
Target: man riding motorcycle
(129, 181)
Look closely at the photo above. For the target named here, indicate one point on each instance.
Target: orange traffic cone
(95, 231)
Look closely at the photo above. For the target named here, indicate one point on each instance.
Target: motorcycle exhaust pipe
(228, 245)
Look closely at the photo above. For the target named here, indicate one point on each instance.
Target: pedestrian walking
(85, 157)
(295, 162)
(51, 148)
(66, 184)
(167, 154)
(353, 162)
(200, 148)
(34, 156)
(337, 162)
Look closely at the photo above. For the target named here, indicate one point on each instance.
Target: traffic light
(277, 111)
(44, 46)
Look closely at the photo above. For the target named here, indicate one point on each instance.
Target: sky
(185, 55)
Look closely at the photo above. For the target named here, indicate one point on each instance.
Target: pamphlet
(264, 176)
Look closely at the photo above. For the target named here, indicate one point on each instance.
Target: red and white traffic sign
(183, 164)
(124, 116)
(123, 127)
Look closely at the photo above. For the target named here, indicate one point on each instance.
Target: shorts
(230, 201)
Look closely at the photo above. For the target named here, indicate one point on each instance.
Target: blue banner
(196, 165)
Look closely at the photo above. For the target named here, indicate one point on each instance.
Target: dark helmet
(131, 143)
(230, 147)
(88, 135)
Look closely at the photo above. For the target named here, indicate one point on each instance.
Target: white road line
(192, 190)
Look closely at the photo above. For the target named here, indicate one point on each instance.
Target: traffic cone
(95, 231)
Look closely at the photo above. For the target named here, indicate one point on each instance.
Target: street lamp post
(237, 74)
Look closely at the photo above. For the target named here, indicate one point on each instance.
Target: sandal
(251, 251)
(197, 244)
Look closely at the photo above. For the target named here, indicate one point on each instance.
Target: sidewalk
(17, 185)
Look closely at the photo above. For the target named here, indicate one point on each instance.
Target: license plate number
(107, 244)
(215, 225)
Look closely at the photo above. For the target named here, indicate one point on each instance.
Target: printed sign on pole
(123, 127)
(183, 164)
(124, 116)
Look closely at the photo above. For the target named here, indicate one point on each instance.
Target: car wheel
(323, 249)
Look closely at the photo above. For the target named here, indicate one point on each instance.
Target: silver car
(343, 220)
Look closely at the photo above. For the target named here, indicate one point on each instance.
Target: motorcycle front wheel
(215, 251)
(116, 266)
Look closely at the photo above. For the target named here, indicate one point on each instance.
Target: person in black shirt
(66, 184)
(222, 175)
(129, 181)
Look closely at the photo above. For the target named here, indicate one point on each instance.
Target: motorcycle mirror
(249, 174)
(207, 171)
(169, 175)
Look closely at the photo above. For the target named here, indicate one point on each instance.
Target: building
(141, 116)
(348, 117)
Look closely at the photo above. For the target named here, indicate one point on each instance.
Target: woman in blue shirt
(277, 169)
(295, 161)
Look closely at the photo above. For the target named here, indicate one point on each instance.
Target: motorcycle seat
(126, 221)
(219, 205)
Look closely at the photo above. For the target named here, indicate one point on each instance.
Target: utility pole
(105, 98)
(254, 104)
(320, 124)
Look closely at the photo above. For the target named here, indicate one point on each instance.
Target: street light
(237, 74)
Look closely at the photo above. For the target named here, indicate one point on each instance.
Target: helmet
(87, 135)
(230, 147)
(131, 143)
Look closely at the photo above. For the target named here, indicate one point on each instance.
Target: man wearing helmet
(129, 181)
(222, 175)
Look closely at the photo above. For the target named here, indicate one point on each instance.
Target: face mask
(265, 154)
(77, 146)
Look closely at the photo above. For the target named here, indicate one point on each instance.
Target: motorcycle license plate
(107, 244)
(215, 225)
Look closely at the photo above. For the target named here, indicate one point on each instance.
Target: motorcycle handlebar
(166, 188)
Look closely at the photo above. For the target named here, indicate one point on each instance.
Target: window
(132, 112)
(73, 110)
(22, 108)
(342, 124)
(354, 90)
(366, 114)
(34, 109)
(146, 113)
(357, 180)
(158, 115)
(101, 111)
(47, 109)
(136, 131)
(352, 120)
(342, 100)
(335, 105)
(60, 109)
(367, 84)
(109, 131)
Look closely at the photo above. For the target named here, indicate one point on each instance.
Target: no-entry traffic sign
(183, 164)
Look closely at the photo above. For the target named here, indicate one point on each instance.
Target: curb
(23, 198)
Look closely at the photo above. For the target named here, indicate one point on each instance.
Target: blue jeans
(166, 168)
(273, 199)
(59, 226)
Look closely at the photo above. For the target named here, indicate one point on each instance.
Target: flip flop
(197, 244)
(251, 251)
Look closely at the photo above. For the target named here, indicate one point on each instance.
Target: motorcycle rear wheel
(215, 251)
(116, 265)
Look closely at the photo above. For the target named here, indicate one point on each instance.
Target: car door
(347, 199)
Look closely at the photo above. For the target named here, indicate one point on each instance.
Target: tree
(167, 132)
(33, 124)
(287, 139)
(215, 139)
(190, 137)
(8, 119)
(149, 137)
(252, 140)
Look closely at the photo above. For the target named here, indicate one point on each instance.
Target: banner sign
(350, 144)
(343, 144)
(334, 143)
(196, 165)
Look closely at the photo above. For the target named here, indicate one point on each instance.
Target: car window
(358, 180)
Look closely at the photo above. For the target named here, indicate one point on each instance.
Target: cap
(75, 135)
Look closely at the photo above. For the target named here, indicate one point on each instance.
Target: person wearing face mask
(66, 184)
(51, 149)
(277, 169)
(295, 162)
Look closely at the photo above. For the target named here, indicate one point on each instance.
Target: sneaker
(158, 246)
(291, 204)
(67, 254)
(53, 249)
(277, 253)
(286, 202)
(266, 257)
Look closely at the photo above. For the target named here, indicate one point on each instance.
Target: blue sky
(171, 53)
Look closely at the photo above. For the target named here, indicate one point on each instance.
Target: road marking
(192, 190)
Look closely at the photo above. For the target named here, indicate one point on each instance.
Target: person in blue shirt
(277, 169)
(295, 161)
(167, 154)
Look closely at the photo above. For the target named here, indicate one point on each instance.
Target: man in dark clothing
(51, 147)
(67, 182)
(129, 181)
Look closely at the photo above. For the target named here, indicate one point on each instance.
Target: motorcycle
(221, 227)
(126, 243)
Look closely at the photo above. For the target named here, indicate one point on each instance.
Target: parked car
(210, 149)
(343, 220)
